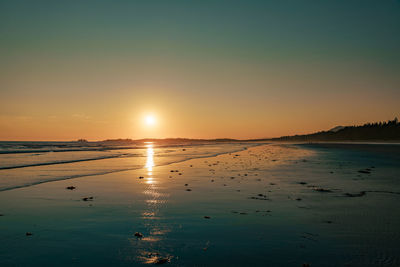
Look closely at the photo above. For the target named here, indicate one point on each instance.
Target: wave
(66, 161)
(13, 148)
(103, 172)
(28, 151)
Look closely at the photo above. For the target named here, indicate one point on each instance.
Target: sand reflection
(149, 162)
(150, 247)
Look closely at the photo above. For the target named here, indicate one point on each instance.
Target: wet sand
(271, 205)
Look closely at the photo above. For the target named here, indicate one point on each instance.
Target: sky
(202, 69)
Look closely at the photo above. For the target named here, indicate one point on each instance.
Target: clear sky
(203, 69)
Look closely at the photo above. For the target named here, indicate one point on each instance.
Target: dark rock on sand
(188, 189)
(304, 207)
(322, 190)
(365, 171)
(141, 177)
(71, 187)
(207, 217)
(28, 234)
(161, 261)
(138, 235)
(263, 211)
(361, 194)
(87, 198)
(260, 197)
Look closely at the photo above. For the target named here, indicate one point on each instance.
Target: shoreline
(107, 172)
(279, 204)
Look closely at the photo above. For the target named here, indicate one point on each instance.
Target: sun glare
(150, 120)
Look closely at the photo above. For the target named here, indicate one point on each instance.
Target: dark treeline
(389, 130)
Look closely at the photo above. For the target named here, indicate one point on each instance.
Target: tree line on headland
(389, 130)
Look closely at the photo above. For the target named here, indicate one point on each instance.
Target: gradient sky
(206, 69)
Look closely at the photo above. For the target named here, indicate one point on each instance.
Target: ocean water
(28, 163)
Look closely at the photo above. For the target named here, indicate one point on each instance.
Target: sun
(150, 120)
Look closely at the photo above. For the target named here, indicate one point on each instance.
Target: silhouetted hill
(389, 130)
(165, 141)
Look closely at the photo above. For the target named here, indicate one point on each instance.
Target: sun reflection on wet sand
(149, 162)
(150, 250)
(150, 157)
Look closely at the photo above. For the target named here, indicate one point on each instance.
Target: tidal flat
(270, 204)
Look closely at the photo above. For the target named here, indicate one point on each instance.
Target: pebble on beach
(161, 261)
(138, 235)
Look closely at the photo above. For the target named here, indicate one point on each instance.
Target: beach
(240, 204)
(200, 133)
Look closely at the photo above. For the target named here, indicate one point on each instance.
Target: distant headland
(378, 131)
